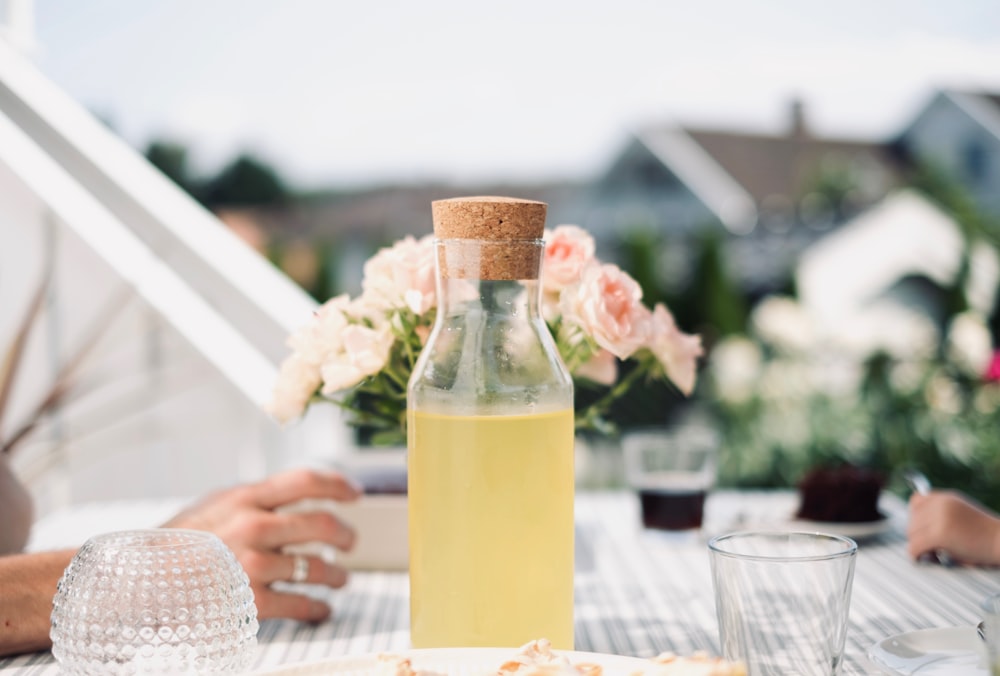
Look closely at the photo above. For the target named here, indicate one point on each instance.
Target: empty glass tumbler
(783, 599)
(154, 601)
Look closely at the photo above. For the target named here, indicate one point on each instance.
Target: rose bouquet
(358, 353)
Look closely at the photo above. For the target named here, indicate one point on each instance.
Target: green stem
(395, 378)
(602, 405)
(576, 355)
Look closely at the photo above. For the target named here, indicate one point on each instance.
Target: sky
(351, 93)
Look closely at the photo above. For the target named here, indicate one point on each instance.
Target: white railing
(186, 324)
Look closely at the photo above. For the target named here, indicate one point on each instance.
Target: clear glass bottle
(490, 441)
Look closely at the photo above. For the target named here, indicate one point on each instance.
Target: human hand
(950, 521)
(245, 518)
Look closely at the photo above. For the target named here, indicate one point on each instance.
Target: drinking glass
(671, 469)
(782, 599)
(154, 601)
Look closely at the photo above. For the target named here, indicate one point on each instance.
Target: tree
(247, 181)
(713, 294)
(171, 159)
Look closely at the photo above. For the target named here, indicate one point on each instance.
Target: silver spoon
(919, 483)
(979, 630)
(917, 480)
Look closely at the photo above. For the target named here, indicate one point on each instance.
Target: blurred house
(888, 269)
(344, 228)
(681, 179)
(768, 195)
(904, 253)
(150, 335)
(772, 196)
(959, 133)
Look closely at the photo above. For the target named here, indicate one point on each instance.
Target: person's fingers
(914, 541)
(284, 604)
(918, 500)
(280, 604)
(315, 571)
(271, 530)
(919, 529)
(297, 484)
(916, 546)
(265, 567)
(923, 546)
(322, 527)
(327, 574)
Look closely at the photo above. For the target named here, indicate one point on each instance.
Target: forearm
(994, 532)
(27, 587)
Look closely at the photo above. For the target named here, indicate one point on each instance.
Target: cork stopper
(503, 236)
(488, 218)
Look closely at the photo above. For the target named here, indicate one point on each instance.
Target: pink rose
(602, 368)
(314, 341)
(551, 312)
(678, 352)
(569, 249)
(364, 352)
(312, 344)
(296, 384)
(423, 333)
(401, 276)
(992, 374)
(607, 306)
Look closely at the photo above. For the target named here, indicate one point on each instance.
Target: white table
(637, 592)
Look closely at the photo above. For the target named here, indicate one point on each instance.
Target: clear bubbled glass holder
(167, 601)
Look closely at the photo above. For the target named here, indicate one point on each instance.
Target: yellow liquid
(491, 529)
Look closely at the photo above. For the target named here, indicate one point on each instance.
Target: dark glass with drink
(672, 509)
(672, 469)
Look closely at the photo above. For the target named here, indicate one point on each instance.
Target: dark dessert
(843, 494)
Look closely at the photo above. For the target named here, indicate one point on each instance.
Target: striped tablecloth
(637, 592)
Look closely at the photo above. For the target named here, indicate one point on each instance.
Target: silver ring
(300, 568)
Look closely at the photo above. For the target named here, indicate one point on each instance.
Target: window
(975, 161)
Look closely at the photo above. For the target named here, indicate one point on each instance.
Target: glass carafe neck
(490, 351)
(498, 278)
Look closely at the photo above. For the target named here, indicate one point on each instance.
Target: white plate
(857, 531)
(955, 651)
(453, 662)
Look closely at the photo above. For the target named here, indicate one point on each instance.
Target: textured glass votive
(154, 601)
